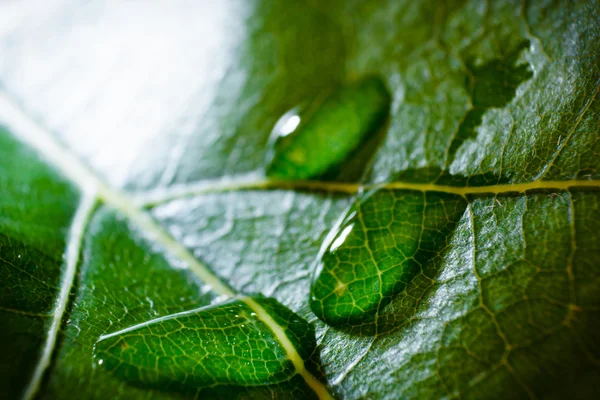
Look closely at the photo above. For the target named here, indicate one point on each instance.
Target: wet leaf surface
(132, 143)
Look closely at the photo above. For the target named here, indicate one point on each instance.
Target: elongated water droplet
(212, 346)
(309, 140)
(384, 241)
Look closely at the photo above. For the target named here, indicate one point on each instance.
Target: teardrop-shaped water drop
(308, 140)
(219, 345)
(384, 241)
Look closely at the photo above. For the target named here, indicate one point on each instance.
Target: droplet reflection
(308, 141)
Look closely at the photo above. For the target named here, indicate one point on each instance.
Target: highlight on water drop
(309, 140)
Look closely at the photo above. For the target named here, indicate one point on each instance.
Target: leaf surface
(130, 166)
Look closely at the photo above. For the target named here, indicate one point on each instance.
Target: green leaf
(130, 159)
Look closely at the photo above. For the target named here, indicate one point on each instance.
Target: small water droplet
(309, 140)
(219, 299)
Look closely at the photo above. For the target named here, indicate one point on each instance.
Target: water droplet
(309, 140)
(145, 354)
(381, 244)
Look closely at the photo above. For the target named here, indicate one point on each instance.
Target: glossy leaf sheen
(498, 99)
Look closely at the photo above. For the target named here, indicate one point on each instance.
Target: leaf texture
(131, 152)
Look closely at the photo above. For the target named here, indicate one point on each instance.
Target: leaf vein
(40, 139)
(77, 231)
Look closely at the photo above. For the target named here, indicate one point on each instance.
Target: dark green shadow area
(442, 177)
(491, 85)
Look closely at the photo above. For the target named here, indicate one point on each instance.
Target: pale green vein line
(78, 226)
(21, 312)
(60, 157)
(157, 321)
(147, 225)
(31, 133)
(256, 182)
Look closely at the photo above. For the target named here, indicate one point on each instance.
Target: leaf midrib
(40, 139)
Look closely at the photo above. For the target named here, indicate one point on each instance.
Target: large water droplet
(308, 140)
(385, 240)
(219, 345)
